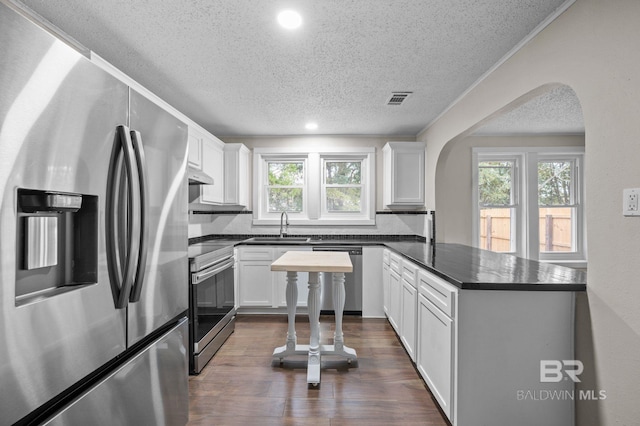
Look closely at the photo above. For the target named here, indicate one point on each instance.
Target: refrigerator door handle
(122, 261)
(141, 164)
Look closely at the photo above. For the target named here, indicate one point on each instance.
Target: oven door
(212, 303)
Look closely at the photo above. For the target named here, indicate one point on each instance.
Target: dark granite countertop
(475, 269)
(466, 267)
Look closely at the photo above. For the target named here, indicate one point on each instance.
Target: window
(342, 186)
(285, 186)
(528, 202)
(557, 205)
(497, 205)
(314, 187)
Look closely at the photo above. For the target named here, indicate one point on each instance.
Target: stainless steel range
(212, 310)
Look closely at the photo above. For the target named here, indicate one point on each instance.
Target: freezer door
(58, 115)
(151, 389)
(164, 292)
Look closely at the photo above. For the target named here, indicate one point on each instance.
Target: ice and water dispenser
(57, 243)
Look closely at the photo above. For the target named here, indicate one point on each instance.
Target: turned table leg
(292, 300)
(338, 307)
(313, 301)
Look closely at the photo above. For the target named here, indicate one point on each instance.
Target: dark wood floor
(241, 385)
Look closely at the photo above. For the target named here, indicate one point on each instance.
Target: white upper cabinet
(236, 174)
(403, 174)
(213, 165)
(195, 149)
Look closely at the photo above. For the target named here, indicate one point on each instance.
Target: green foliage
(554, 183)
(494, 183)
(285, 181)
(286, 174)
(342, 172)
(343, 180)
(343, 199)
(285, 199)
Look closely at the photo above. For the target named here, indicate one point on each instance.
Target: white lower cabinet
(395, 301)
(435, 352)
(436, 337)
(280, 279)
(258, 286)
(255, 283)
(255, 286)
(408, 311)
(386, 272)
(480, 351)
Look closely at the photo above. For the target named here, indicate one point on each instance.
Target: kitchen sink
(279, 240)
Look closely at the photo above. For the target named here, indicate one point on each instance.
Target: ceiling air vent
(398, 97)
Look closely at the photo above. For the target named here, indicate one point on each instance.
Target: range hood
(198, 177)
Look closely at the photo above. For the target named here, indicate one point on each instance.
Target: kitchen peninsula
(478, 325)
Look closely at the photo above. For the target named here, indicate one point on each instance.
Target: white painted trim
(312, 205)
(527, 202)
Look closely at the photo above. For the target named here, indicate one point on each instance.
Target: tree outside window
(529, 202)
(285, 183)
(343, 186)
(495, 199)
(556, 205)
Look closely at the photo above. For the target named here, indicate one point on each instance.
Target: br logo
(554, 370)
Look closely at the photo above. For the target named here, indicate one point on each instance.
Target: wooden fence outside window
(555, 225)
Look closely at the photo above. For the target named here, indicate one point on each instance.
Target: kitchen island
(293, 262)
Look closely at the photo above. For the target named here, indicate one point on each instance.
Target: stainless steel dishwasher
(352, 282)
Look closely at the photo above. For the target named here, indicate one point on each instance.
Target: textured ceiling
(557, 111)
(229, 66)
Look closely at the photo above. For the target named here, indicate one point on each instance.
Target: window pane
(556, 229)
(495, 230)
(343, 199)
(495, 181)
(286, 173)
(554, 183)
(342, 172)
(284, 199)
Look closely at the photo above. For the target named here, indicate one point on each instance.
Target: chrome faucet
(285, 230)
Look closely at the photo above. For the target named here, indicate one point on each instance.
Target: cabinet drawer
(258, 253)
(395, 263)
(437, 291)
(385, 256)
(409, 272)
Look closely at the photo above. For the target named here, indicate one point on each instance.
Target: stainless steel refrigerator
(93, 242)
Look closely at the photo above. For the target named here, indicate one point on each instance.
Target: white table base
(314, 349)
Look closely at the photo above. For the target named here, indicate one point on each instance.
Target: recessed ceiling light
(289, 19)
(311, 126)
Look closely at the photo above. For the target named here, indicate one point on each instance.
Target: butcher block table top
(313, 261)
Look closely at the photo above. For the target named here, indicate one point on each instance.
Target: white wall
(453, 179)
(388, 224)
(592, 48)
(328, 142)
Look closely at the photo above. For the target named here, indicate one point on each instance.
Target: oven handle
(198, 277)
(213, 262)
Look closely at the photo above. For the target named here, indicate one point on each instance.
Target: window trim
(266, 186)
(324, 212)
(527, 230)
(313, 204)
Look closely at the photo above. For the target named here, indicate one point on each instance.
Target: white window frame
(526, 200)
(314, 205)
(364, 199)
(265, 185)
(518, 202)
